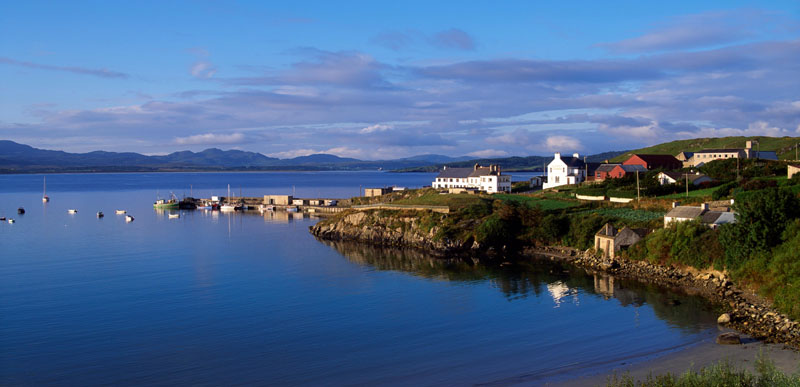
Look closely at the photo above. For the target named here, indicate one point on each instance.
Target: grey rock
(729, 338)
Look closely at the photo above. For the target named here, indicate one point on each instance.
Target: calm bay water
(216, 298)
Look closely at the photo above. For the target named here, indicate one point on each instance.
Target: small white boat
(128, 218)
(263, 208)
(11, 221)
(100, 214)
(45, 198)
(291, 209)
(120, 212)
(72, 211)
(174, 216)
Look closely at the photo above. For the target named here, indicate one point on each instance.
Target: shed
(610, 241)
(280, 200)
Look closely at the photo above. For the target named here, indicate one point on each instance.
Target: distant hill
(516, 163)
(20, 158)
(783, 146)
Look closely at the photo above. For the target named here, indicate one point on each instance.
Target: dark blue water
(227, 299)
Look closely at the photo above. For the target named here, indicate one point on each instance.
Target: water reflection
(563, 283)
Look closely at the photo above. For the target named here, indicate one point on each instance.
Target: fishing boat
(291, 209)
(174, 216)
(11, 221)
(20, 210)
(227, 207)
(120, 212)
(100, 214)
(72, 211)
(128, 218)
(163, 204)
(45, 198)
(2, 218)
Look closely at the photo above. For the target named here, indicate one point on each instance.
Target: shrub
(593, 191)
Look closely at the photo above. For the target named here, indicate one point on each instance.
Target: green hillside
(784, 146)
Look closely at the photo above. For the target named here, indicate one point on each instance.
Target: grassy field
(784, 146)
(692, 194)
(432, 198)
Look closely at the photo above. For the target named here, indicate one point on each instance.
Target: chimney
(558, 155)
(575, 155)
(675, 204)
(475, 168)
(704, 206)
(444, 168)
(748, 145)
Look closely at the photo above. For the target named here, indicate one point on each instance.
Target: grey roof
(461, 173)
(710, 217)
(573, 162)
(680, 176)
(606, 167)
(767, 155)
(688, 155)
(684, 212)
(634, 168)
(607, 230)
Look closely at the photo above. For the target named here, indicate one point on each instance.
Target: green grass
(692, 194)
(722, 374)
(784, 146)
(454, 201)
(627, 214)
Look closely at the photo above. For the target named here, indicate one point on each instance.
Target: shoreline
(702, 354)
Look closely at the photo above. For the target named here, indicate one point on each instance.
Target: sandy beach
(704, 353)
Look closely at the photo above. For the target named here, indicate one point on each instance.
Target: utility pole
(795, 152)
(737, 168)
(687, 184)
(586, 174)
(637, 187)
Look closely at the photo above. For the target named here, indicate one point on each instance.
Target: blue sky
(392, 79)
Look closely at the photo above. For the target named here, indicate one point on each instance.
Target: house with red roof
(651, 162)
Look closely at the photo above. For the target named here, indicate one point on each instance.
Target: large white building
(487, 179)
(565, 171)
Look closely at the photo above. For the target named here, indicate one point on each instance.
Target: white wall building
(565, 171)
(488, 179)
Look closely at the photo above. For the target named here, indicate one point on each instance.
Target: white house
(565, 171)
(677, 177)
(487, 179)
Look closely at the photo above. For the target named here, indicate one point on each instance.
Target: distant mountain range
(20, 158)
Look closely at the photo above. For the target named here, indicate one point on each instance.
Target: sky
(384, 80)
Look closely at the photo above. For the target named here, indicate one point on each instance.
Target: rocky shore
(741, 310)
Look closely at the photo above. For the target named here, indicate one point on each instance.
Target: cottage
(565, 171)
(707, 217)
(536, 182)
(601, 173)
(793, 169)
(610, 241)
(677, 177)
(488, 179)
(650, 162)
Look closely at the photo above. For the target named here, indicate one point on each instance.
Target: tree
(761, 218)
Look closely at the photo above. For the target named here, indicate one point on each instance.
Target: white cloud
(375, 128)
(565, 143)
(487, 153)
(292, 153)
(211, 139)
(203, 69)
(343, 151)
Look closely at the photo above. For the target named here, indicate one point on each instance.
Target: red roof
(657, 161)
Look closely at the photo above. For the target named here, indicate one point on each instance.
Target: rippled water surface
(243, 298)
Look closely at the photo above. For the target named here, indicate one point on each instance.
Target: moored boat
(120, 212)
(162, 204)
(72, 211)
(45, 198)
(20, 210)
(11, 221)
(100, 214)
(174, 216)
(128, 218)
